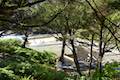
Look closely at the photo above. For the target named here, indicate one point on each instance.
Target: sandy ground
(52, 45)
(48, 44)
(111, 57)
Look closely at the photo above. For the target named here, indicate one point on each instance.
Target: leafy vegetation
(26, 62)
(92, 20)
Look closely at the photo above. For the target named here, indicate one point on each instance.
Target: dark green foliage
(26, 62)
(114, 4)
(6, 74)
(7, 46)
(43, 73)
(13, 48)
(108, 73)
(110, 69)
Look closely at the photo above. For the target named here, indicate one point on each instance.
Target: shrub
(26, 78)
(110, 69)
(27, 62)
(13, 48)
(108, 72)
(7, 45)
(6, 74)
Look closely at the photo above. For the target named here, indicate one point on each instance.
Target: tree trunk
(100, 50)
(1, 34)
(74, 51)
(63, 51)
(100, 64)
(91, 55)
(25, 40)
(3, 56)
(75, 57)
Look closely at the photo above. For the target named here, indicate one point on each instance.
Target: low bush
(26, 64)
(109, 72)
(12, 48)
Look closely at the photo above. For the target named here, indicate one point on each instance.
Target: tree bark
(25, 40)
(75, 57)
(74, 51)
(63, 51)
(100, 50)
(1, 34)
(91, 54)
(3, 56)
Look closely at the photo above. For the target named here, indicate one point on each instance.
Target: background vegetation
(92, 20)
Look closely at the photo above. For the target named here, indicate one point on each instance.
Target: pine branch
(16, 7)
(112, 33)
(104, 16)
